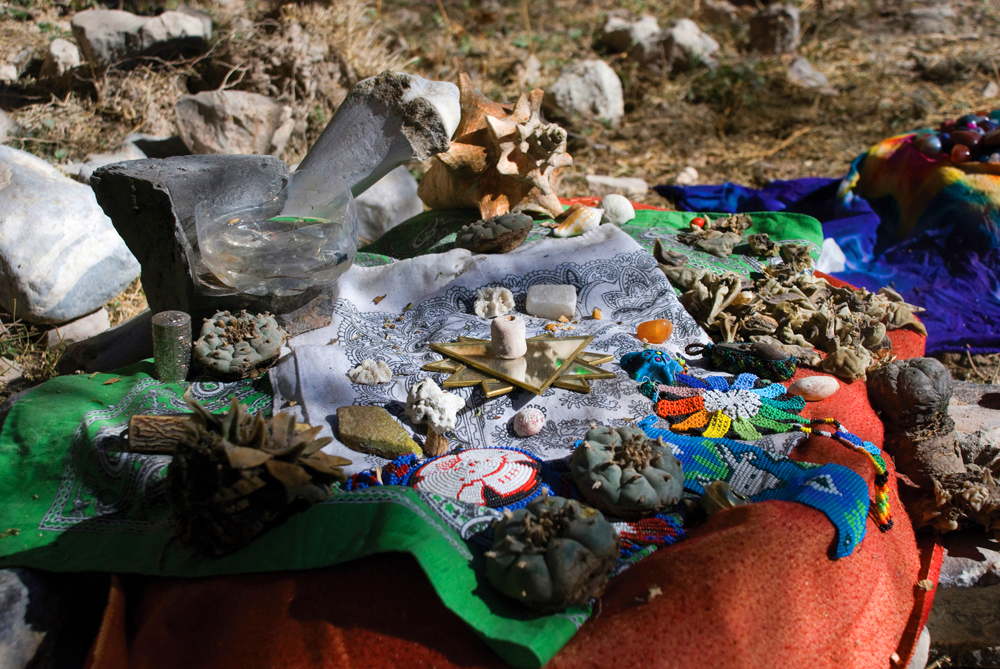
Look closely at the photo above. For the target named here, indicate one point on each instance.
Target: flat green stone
(369, 429)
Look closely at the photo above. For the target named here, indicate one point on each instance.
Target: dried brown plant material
(551, 327)
(435, 444)
(111, 381)
(378, 299)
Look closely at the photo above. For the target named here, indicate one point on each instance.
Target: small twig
(996, 375)
(527, 25)
(968, 353)
(781, 145)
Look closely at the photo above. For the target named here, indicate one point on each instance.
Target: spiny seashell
(502, 158)
(579, 222)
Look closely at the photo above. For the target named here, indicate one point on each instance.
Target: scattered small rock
(371, 429)
(587, 89)
(687, 177)
(82, 328)
(775, 29)
(392, 200)
(718, 12)
(62, 256)
(620, 33)
(61, 57)
(802, 73)
(686, 46)
(233, 122)
(108, 36)
(617, 209)
(528, 422)
(630, 187)
(930, 20)
(991, 90)
(8, 72)
(814, 388)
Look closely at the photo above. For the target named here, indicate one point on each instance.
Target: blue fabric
(958, 285)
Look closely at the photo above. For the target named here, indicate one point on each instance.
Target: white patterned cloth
(610, 271)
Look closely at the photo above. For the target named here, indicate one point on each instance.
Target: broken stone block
(233, 122)
(551, 301)
(152, 203)
(108, 36)
(385, 121)
(371, 429)
(775, 29)
(587, 89)
(61, 256)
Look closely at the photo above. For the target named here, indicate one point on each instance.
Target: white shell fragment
(579, 222)
(814, 388)
(493, 301)
(427, 404)
(528, 422)
(617, 209)
(371, 372)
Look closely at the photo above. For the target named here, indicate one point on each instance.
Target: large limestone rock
(233, 122)
(108, 36)
(392, 200)
(587, 89)
(60, 257)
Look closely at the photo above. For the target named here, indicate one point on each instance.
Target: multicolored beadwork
(712, 407)
(742, 358)
(663, 529)
(652, 365)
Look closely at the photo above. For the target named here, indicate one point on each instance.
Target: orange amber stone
(655, 332)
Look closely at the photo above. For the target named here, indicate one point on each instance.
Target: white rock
(969, 564)
(802, 73)
(991, 90)
(588, 89)
(493, 301)
(551, 301)
(617, 209)
(528, 422)
(371, 372)
(427, 404)
(60, 254)
(10, 372)
(61, 57)
(814, 388)
(630, 187)
(8, 72)
(686, 45)
(392, 200)
(831, 257)
(80, 329)
(620, 34)
(171, 27)
(233, 122)
(8, 128)
(687, 177)
(922, 651)
(107, 36)
(719, 12)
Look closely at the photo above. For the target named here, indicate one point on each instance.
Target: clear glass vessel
(306, 236)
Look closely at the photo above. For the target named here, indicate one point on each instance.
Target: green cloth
(72, 500)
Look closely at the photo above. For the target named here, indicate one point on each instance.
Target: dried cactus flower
(552, 554)
(625, 473)
(716, 242)
(762, 246)
(796, 256)
(497, 234)
(235, 347)
(233, 477)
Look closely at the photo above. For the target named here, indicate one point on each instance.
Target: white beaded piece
(734, 403)
(484, 476)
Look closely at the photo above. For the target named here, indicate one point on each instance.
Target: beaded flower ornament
(713, 407)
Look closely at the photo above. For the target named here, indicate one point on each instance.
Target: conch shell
(502, 158)
(579, 222)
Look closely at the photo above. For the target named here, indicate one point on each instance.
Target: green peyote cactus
(552, 554)
(625, 473)
(497, 234)
(235, 347)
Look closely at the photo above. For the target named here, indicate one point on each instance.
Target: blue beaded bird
(652, 365)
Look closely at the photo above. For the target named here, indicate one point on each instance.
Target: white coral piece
(494, 301)
(427, 404)
(371, 372)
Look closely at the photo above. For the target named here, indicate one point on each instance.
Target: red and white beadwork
(493, 477)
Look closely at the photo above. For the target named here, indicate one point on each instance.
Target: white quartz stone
(548, 301)
(814, 388)
(617, 209)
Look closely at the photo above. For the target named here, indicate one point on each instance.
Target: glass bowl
(307, 236)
